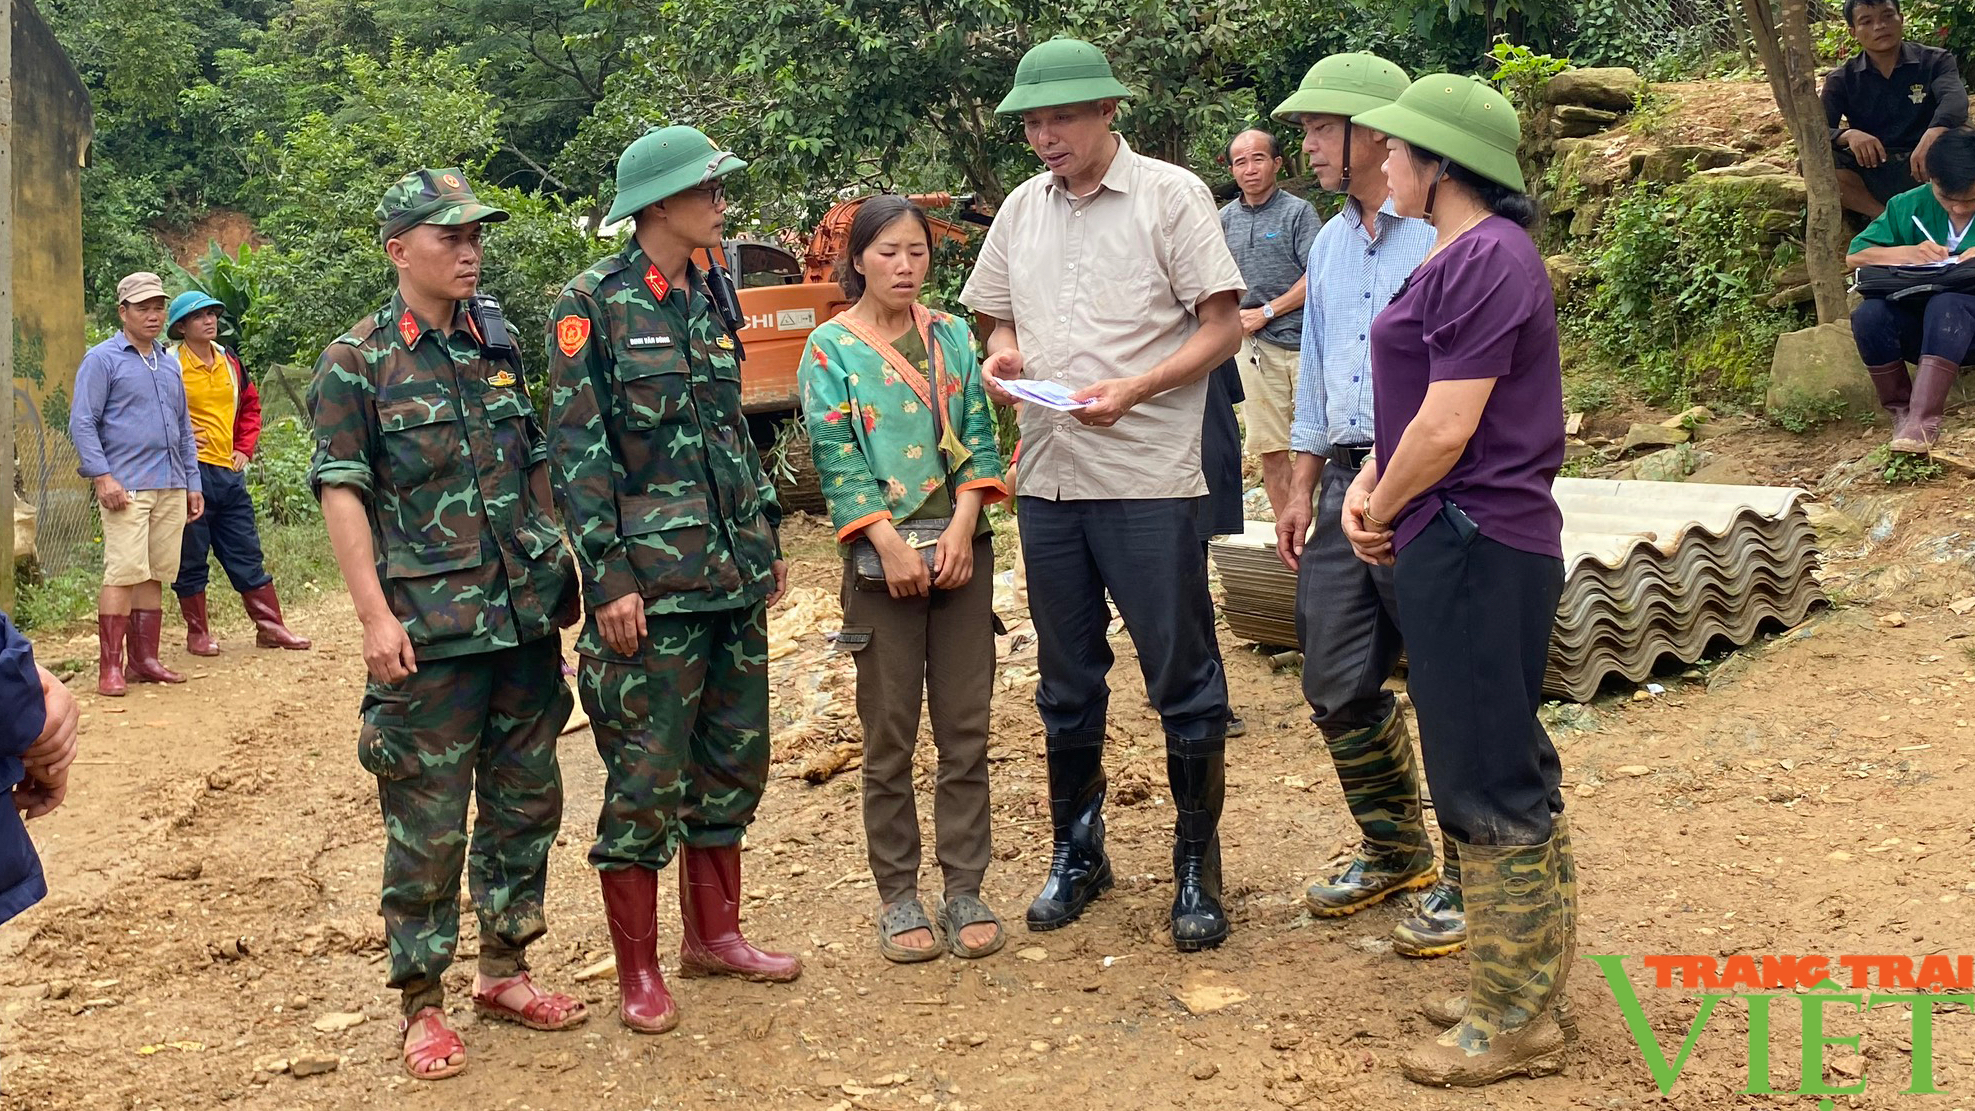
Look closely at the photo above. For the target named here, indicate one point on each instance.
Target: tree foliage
(298, 113)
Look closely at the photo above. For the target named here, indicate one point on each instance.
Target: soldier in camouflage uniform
(433, 477)
(675, 531)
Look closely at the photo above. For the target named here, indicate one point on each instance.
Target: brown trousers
(942, 645)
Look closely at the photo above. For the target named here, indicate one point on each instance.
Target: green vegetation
(1946, 23)
(278, 478)
(1583, 465)
(1521, 73)
(1901, 469)
(298, 557)
(1679, 307)
(1650, 113)
(1800, 413)
(58, 602)
(1588, 392)
(297, 113)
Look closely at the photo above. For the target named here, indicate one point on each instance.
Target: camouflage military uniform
(444, 449)
(665, 497)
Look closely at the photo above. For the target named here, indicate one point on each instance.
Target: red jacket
(246, 412)
(246, 405)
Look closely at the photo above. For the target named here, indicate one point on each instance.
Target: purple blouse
(1482, 308)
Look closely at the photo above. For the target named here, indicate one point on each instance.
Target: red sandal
(545, 1010)
(438, 1044)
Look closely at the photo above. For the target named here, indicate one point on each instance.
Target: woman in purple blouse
(1469, 433)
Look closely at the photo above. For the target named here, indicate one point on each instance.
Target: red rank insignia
(408, 328)
(659, 286)
(571, 333)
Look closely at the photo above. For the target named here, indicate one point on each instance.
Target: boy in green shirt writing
(1923, 226)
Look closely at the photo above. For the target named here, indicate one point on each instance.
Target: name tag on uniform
(636, 343)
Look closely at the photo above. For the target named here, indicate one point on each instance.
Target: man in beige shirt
(1107, 274)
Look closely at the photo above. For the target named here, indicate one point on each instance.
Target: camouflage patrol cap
(430, 197)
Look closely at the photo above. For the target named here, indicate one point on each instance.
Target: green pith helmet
(664, 162)
(1459, 118)
(1344, 85)
(431, 197)
(1058, 72)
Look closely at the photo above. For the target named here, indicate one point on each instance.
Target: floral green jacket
(871, 428)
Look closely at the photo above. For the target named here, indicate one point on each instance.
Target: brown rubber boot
(111, 631)
(1932, 379)
(1894, 388)
(630, 904)
(710, 909)
(1518, 938)
(198, 630)
(269, 630)
(146, 628)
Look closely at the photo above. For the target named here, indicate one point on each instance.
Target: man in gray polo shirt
(1270, 233)
(1107, 275)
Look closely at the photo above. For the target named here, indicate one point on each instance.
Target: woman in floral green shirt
(869, 379)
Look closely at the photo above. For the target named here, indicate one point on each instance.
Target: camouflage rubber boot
(1448, 1010)
(1517, 933)
(1439, 924)
(1567, 884)
(1382, 787)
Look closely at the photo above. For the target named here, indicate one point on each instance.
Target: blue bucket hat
(184, 305)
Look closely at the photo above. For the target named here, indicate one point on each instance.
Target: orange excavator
(784, 297)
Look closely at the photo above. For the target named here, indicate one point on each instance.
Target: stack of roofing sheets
(1652, 569)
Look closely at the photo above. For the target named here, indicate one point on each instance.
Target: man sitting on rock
(1921, 226)
(1888, 106)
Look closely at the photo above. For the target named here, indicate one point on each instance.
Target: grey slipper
(960, 911)
(903, 918)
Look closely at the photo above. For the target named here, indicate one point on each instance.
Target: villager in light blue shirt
(130, 420)
(1354, 273)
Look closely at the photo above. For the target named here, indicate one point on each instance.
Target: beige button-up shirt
(1105, 286)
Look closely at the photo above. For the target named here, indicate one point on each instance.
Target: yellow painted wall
(51, 140)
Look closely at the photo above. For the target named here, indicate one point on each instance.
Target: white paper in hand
(1049, 395)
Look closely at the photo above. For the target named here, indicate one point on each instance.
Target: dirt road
(216, 872)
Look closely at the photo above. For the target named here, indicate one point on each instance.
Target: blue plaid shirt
(1353, 277)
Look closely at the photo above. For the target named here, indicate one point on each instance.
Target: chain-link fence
(1672, 36)
(63, 513)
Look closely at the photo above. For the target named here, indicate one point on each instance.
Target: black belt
(1350, 456)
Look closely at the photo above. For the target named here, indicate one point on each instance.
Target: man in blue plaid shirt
(1345, 612)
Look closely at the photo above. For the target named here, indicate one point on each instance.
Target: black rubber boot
(1197, 771)
(1078, 868)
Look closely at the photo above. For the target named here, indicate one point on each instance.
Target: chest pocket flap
(406, 413)
(653, 386)
(642, 516)
(504, 404)
(421, 438)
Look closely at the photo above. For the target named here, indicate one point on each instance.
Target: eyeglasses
(716, 194)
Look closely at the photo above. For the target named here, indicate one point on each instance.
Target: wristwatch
(1268, 310)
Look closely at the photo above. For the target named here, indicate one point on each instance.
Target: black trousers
(1889, 331)
(1146, 554)
(1476, 615)
(1346, 620)
(227, 530)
